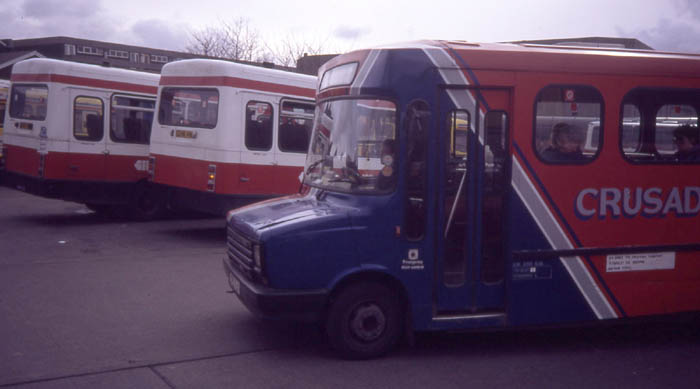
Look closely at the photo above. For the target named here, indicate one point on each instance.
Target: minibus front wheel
(364, 321)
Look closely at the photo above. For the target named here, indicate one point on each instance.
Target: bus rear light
(211, 178)
(151, 168)
(42, 164)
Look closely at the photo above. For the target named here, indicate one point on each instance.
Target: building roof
(593, 41)
(11, 58)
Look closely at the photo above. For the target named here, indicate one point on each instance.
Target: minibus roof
(521, 57)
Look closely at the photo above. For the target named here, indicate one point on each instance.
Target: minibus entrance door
(473, 162)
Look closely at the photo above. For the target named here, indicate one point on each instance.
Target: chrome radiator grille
(240, 252)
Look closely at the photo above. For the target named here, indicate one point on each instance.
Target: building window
(118, 54)
(159, 58)
(89, 50)
(69, 49)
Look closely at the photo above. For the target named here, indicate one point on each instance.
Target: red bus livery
(228, 134)
(80, 133)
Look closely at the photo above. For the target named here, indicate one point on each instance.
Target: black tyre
(148, 204)
(364, 321)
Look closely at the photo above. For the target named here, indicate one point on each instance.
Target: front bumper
(269, 303)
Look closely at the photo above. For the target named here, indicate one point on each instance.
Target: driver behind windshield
(387, 175)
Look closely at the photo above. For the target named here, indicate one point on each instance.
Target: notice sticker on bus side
(640, 262)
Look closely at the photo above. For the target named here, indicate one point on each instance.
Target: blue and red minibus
(459, 186)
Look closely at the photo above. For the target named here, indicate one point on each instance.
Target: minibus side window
(417, 119)
(568, 124)
(130, 119)
(296, 119)
(88, 116)
(29, 102)
(660, 126)
(258, 125)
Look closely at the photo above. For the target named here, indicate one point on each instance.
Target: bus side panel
(181, 172)
(22, 160)
(541, 289)
(655, 291)
(270, 179)
(126, 168)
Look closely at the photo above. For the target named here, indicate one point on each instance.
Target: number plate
(234, 283)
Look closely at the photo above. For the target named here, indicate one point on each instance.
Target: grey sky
(341, 25)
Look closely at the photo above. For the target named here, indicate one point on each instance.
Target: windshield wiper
(312, 165)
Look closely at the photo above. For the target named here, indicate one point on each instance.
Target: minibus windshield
(354, 147)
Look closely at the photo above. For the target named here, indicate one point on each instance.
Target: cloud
(161, 34)
(689, 7)
(350, 33)
(59, 9)
(43, 18)
(670, 35)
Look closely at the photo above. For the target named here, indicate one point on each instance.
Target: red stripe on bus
(236, 82)
(84, 81)
(231, 178)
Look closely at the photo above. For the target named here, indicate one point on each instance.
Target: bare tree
(235, 40)
(238, 40)
(287, 51)
(204, 42)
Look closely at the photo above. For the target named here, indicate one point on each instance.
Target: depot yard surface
(88, 302)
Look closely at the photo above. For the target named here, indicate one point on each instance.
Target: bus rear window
(189, 107)
(29, 102)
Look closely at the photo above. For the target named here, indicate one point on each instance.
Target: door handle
(244, 179)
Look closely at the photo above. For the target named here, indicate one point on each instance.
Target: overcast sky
(346, 25)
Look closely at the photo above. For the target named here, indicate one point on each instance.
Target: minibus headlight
(257, 256)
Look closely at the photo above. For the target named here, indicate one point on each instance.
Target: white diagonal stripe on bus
(364, 72)
(559, 241)
(529, 195)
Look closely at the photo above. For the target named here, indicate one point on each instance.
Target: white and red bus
(4, 90)
(228, 134)
(80, 133)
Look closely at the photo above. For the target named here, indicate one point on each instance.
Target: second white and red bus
(228, 134)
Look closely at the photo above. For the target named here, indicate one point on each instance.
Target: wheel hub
(368, 322)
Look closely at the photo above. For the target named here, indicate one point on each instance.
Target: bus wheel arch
(148, 202)
(366, 316)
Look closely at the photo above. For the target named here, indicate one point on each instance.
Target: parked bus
(503, 235)
(80, 133)
(228, 134)
(4, 90)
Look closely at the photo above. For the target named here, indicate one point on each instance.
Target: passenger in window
(387, 175)
(687, 140)
(565, 144)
